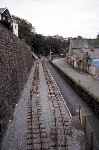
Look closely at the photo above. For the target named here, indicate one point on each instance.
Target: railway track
(34, 91)
(37, 138)
(46, 119)
(36, 135)
(62, 115)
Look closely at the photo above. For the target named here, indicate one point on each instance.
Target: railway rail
(62, 115)
(47, 123)
(37, 137)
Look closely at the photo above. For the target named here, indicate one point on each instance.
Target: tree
(97, 36)
(42, 44)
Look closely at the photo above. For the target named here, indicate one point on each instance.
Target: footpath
(86, 81)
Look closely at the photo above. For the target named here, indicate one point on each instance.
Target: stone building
(82, 54)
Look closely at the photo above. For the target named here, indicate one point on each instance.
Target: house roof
(93, 43)
(79, 46)
(81, 43)
(77, 43)
(2, 10)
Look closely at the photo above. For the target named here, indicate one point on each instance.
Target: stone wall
(15, 64)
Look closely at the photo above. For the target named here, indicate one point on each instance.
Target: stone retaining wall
(15, 64)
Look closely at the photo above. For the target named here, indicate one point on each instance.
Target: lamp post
(50, 54)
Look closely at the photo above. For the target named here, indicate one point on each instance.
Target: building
(83, 54)
(5, 17)
(80, 47)
(7, 20)
(77, 45)
(15, 27)
(94, 67)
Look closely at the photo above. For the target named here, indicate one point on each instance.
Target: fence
(92, 142)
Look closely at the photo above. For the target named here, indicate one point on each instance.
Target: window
(9, 21)
(3, 17)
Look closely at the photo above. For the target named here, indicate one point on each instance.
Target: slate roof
(2, 10)
(81, 46)
(93, 43)
(77, 43)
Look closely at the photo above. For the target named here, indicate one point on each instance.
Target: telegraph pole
(50, 54)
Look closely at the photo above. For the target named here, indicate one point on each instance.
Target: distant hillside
(15, 64)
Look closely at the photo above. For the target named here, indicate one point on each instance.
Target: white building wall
(15, 29)
(0, 16)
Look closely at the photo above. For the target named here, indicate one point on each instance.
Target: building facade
(15, 27)
(83, 55)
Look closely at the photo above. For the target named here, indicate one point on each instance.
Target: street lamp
(50, 54)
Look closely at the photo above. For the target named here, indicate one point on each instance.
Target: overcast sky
(63, 17)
